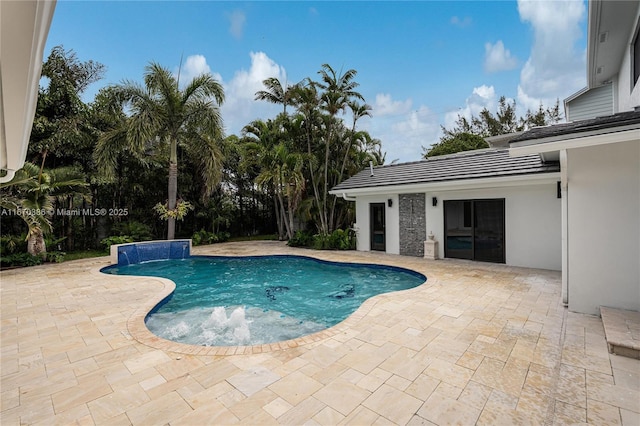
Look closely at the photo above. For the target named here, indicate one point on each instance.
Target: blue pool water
(222, 301)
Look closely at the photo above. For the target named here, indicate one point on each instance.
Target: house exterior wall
(532, 222)
(604, 227)
(592, 103)
(363, 233)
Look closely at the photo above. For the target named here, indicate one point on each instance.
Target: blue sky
(419, 63)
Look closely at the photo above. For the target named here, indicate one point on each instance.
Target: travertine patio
(477, 344)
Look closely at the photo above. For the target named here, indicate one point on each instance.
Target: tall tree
(163, 116)
(259, 141)
(338, 91)
(61, 127)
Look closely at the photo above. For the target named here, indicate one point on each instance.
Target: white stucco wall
(532, 222)
(392, 232)
(604, 227)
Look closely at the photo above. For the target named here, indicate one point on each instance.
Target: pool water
(223, 301)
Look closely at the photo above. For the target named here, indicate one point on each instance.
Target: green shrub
(55, 256)
(205, 237)
(321, 241)
(116, 239)
(301, 239)
(20, 259)
(341, 240)
(13, 244)
(53, 243)
(136, 230)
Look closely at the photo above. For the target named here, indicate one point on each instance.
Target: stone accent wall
(413, 224)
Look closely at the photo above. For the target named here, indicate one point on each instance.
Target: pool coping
(138, 330)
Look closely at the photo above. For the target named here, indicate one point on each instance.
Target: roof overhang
(501, 141)
(24, 26)
(610, 23)
(576, 140)
(454, 185)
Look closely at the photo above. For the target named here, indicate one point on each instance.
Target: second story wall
(593, 103)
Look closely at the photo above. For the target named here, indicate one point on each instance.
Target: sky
(420, 64)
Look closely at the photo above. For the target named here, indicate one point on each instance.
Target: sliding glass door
(474, 229)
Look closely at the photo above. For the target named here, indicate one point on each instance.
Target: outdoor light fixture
(434, 201)
(390, 202)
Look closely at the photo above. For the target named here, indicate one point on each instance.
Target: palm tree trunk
(290, 209)
(278, 216)
(35, 244)
(285, 219)
(340, 176)
(171, 203)
(314, 183)
(325, 191)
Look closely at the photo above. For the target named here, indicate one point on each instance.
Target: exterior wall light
(390, 202)
(434, 201)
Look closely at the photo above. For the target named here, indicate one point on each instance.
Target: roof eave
(24, 30)
(575, 140)
(453, 185)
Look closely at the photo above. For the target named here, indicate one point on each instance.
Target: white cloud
(403, 135)
(385, 105)
(497, 58)
(240, 106)
(480, 98)
(556, 68)
(237, 19)
(194, 66)
(461, 22)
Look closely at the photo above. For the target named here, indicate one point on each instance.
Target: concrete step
(622, 331)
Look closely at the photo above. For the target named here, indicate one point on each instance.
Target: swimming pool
(230, 301)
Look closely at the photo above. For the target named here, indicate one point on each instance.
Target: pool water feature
(229, 301)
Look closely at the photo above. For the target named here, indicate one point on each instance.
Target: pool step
(622, 331)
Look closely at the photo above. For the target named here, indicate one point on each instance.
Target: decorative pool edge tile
(142, 251)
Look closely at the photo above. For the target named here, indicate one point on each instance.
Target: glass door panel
(458, 229)
(377, 220)
(489, 230)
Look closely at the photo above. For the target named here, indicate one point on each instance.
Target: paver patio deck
(477, 344)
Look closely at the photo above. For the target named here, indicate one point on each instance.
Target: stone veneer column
(413, 224)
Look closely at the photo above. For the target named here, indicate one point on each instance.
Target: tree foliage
(111, 155)
(469, 134)
(163, 117)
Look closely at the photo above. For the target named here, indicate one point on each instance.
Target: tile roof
(462, 166)
(603, 124)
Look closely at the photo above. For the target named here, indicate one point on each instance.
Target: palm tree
(259, 138)
(308, 118)
(339, 90)
(164, 116)
(276, 93)
(283, 169)
(33, 193)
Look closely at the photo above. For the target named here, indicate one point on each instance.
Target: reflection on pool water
(224, 301)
